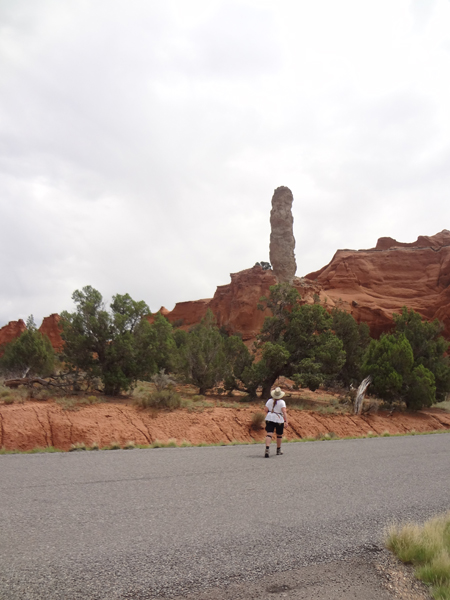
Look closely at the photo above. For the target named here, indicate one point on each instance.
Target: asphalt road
(138, 524)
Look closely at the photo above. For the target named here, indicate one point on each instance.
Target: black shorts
(271, 426)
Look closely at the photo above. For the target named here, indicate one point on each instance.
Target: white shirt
(276, 416)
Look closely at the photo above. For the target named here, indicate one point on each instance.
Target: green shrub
(202, 359)
(8, 400)
(30, 354)
(164, 399)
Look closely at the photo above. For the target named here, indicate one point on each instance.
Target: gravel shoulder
(375, 576)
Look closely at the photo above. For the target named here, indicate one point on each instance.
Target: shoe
(266, 455)
(279, 452)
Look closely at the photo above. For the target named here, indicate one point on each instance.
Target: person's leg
(270, 427)
(280, 429)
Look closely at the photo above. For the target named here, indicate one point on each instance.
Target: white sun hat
(277, 393)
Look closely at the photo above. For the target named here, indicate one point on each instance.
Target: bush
(162, 380)
(258, 419)
(163, 399)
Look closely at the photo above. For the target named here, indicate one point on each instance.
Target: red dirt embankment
(39, 424)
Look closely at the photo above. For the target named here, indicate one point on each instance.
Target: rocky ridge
(370, 284)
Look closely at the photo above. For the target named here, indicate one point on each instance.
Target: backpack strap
(275, 400)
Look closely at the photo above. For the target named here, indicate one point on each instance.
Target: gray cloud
(140, 144)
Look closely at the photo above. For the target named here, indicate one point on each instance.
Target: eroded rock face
(185, 314)
(10, 332)
(235, 304)
(282, 241)
(39, 424)
(52, 329)
(372, 284)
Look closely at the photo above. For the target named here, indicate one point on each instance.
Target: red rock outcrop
(51, 328)
(235, 304)
(188, 313)
(372, 284)
(162, 311)
(369, 284)
(10, 332)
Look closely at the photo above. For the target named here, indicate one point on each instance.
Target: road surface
(141, 524)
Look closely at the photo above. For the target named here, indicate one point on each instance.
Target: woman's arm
(284, 411)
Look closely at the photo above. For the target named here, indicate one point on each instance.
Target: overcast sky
(141, 141)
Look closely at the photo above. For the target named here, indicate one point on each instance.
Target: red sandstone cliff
(51, 328)
(9, 332)
(370, 284)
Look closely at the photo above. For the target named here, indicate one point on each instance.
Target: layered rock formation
(372, 284)
(282, 241)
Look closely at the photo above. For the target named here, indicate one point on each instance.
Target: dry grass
(427, 547)
(444, 405)
(76, 402)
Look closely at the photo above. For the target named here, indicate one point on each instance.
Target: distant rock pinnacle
(282, 241)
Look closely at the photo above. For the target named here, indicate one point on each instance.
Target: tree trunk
(267, 387)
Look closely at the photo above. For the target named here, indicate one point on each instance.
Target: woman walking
(276, 419)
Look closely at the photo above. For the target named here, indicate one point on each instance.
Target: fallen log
(29, 381)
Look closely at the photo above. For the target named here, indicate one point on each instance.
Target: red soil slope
(34, 424)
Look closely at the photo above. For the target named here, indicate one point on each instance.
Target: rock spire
(282, 241)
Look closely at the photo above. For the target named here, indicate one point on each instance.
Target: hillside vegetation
(108, 350)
